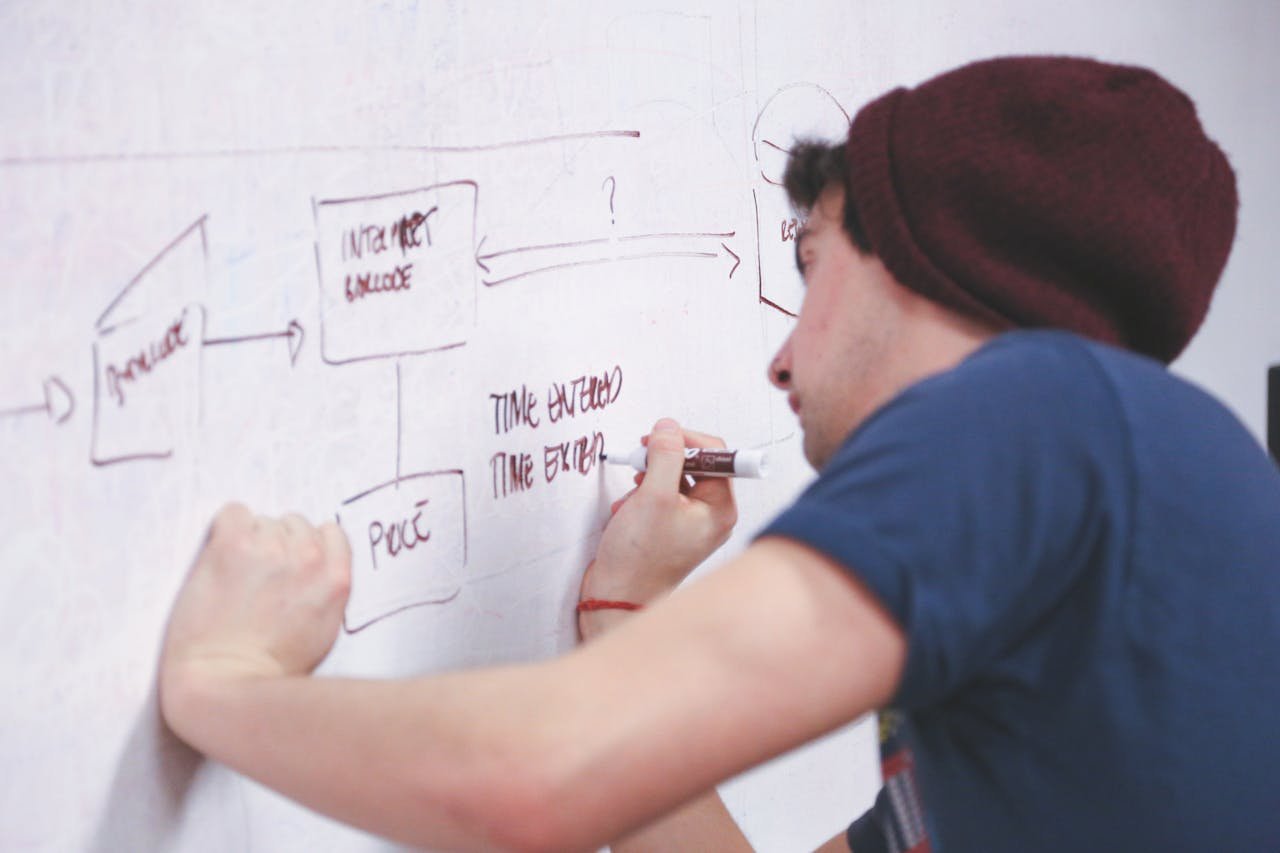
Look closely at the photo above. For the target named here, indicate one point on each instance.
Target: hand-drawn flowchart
(399, 275)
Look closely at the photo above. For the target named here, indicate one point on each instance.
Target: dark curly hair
(813, 167)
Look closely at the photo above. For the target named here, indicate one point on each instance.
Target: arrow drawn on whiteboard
(293, 333)
(580, 253)
(58, 403)
(736, 259)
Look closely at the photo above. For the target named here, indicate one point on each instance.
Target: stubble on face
(841, 346)
(843, 396)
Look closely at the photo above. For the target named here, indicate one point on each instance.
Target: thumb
(664, 467)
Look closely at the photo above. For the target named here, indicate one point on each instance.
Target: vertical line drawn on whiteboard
(413, 548)
(377, 303)
(764, 300)
(797, 110)
(59, 403)
(399, 422)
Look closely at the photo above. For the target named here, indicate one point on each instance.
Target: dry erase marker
(703, 461)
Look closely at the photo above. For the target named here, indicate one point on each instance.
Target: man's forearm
(427, 762)
(561, 755)
(704, 824)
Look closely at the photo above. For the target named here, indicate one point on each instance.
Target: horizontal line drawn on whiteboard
(595, 241)
(674, 244)
(387, 355)
(398, 480)
(598, 261)
(679, 234)
(294, 150)
(356, 629)
(321, 202)
(59, 403)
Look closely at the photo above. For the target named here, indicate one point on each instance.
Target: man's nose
(780, 367)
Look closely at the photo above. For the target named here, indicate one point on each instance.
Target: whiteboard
(412, 266)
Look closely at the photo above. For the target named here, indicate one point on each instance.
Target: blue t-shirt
(1084, 553)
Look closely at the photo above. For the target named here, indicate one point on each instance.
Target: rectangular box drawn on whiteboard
(397, 272)
(408, 545)
(146, 360)
(146, 386)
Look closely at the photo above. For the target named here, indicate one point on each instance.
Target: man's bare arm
(704, 824)
(772, 650)
(837, 844)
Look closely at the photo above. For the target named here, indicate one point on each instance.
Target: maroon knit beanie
(1049, 191)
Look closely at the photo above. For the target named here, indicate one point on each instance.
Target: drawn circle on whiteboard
(796, 111)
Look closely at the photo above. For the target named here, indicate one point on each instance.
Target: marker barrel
(704, 462)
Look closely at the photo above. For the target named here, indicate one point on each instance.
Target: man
(1057, 562)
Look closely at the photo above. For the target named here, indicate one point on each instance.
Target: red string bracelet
(588, 604)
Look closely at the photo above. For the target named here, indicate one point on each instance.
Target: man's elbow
(521, 807)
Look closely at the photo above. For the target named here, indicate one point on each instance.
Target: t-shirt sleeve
(970, 504)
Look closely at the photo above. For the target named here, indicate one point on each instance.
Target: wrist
(593, 623)
(597, 615)
(194, 687)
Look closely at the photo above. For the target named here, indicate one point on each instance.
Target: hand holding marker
(703, 462)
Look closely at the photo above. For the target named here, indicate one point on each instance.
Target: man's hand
(264, 598)
(661, 530)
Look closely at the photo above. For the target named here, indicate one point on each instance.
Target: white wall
(220, 131)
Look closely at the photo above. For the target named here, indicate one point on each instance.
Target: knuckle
(663, 502)
(227, 519)
(728, 518)
(666, 441)
(293, 519)
(340, 587)
(308, 554)
(268, 548)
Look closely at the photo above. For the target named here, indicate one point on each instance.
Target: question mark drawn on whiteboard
(613, 187)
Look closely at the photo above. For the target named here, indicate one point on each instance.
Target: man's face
(836, 363)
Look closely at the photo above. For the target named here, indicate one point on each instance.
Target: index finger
(693, 438)
(229, 519)
(664, 462)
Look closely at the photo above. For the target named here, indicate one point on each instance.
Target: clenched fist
(265, 597)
